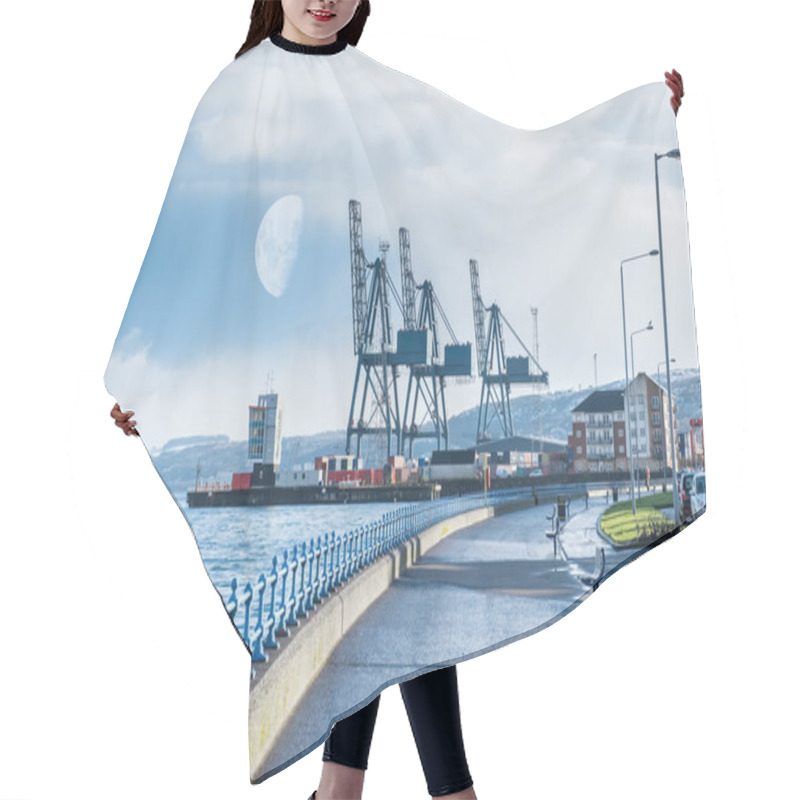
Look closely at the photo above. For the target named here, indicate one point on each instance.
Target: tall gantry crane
(497, 370)
(425, 396)
(372, 343)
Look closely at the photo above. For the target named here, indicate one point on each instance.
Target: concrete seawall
(279, 684)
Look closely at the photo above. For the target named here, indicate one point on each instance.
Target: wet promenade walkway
(490, 583)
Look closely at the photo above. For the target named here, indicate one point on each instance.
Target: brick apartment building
(600, 440)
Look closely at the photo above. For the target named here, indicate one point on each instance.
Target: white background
(120, 675)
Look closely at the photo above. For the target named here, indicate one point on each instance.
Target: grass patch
(622, 527)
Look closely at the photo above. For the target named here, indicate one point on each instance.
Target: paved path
(482, 586)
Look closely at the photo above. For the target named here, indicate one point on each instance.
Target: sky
(548, 214)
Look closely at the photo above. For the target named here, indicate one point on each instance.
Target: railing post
(337, 569)
(301, 591)
(248, 597)
(284, 573)
(291, 618)
(257, 651)
(271, 641)
(233, 602)
(317, 596)
(326, 569)
(361, 547)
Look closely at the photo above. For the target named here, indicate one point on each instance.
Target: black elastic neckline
(308, 49)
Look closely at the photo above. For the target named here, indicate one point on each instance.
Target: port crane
(497, 370)
(425, 395)
(377, 372)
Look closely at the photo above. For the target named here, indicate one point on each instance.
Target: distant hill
(218, 457)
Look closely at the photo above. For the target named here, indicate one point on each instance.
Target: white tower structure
(264, 430)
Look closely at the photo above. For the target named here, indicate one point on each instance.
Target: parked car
(697, 496)
(685, 480)
(535, 473)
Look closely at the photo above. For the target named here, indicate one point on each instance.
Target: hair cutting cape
(402, 366)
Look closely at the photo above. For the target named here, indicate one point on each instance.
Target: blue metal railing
(311, 571)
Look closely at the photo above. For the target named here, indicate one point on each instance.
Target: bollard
(563, 508)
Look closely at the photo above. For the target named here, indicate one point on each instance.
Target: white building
(648, 424)
(265, 430)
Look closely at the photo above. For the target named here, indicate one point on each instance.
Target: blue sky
(548, 214)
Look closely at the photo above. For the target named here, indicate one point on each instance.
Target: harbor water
(239, 541)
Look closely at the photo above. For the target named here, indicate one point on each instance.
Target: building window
(656, 418)
(579, 433)
(579, 450)
(621, 449)
(657, 435)
(620, 433)
(655, 402)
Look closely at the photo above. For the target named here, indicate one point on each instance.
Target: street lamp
(633, 370)
(535, 351)
(656, 156)
(663, 450)
(625, 348)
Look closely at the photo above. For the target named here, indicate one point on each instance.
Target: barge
(299, 495)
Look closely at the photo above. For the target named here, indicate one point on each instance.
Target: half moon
(277, 243)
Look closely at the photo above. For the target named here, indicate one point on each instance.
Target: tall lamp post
(534, 404)
(656, 157)
(633, 370)
(664, 451)
(626, 404)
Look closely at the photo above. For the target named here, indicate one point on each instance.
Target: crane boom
(358, 275)
(479, 314)
(408, 285)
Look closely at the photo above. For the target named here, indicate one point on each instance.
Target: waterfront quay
(481, 586)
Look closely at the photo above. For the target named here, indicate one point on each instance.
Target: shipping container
(241, 480)
(453, 456)
(299, 477)
(453, 472)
